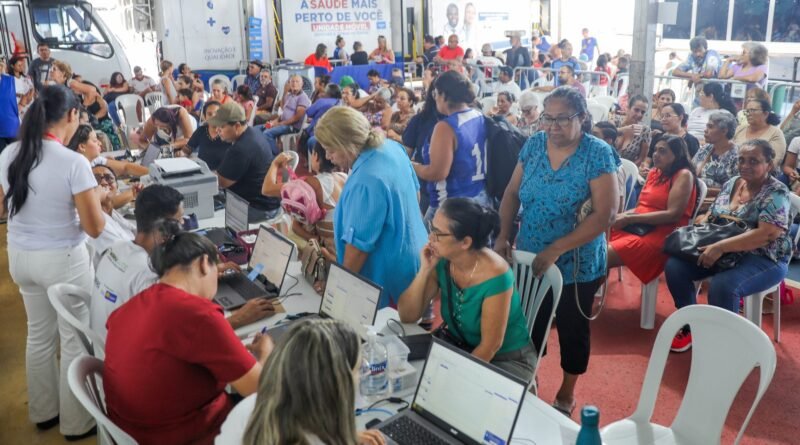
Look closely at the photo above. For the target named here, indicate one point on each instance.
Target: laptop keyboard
(244, 287)
(404, 431)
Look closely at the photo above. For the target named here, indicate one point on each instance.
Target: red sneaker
(682, 341)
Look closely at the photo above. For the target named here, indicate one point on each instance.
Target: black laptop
(265, 273)
(235, 221)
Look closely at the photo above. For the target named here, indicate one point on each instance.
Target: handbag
(639, 229)
(313, 263)
(443, 332)
(685, 242)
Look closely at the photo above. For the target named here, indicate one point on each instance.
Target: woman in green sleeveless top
(479, 301)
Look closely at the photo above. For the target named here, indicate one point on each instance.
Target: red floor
(620, 353)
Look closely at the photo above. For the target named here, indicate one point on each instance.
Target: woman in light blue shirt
(377, 225)
(560, 168)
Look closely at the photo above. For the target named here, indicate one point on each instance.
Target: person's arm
(90, 213)
(102, 112)
(726, 71)
(300, 230)
(272, 186)
(386, 118)
(604, 211)
(422, 290)
(354, 258)
(185, 122)
(296, 117)
(148, 131)
(252, 311)
(751, 240)
(509, 208)
(790, 165)
(390, 57)
(755, 76)
(545, 88)
(677, 202)
(791, 116)
(443, 144)
(125, 168)
(681, 71)
(269, 101)
(360, 102)
(83, 89)
(495, 311)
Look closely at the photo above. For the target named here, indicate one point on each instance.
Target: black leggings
(573, 328)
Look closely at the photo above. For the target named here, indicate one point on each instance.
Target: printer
(192, 178)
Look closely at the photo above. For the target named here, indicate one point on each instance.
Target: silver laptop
(460, 399)
(151, 154)
(235, 221)
(348, 297)
(265, 275)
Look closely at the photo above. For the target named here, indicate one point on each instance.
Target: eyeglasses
(526, 110)
(750, 111)
(667, 116)
(107, 177)
(561, 121)
(750, 161)
(437, 236)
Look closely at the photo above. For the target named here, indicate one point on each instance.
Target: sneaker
(682, 341)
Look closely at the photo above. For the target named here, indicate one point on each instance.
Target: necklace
(460, 289)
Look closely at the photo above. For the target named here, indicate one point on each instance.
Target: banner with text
(307, 23)
(476, 22)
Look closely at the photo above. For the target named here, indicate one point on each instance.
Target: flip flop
(564, 408)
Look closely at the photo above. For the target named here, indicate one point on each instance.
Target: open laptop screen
(350, 298)
(151, 154)
(273, 252)
(235, 212)
(459, 392)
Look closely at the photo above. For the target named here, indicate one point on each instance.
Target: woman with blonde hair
(382, 54)
(167, 83)
(306, 394)
(377, 224)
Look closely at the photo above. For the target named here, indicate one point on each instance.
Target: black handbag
(443, 332)
(639, 229)
(684, 242)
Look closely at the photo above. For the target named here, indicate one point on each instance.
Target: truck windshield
(68, 26)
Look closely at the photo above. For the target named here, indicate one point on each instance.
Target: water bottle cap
(590, 415)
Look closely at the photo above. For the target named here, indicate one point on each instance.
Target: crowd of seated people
(397, 188)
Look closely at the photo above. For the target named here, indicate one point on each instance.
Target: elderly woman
(750, 67)
(559, 170)
(378, 111)
(666, 202)
(762, 124)
(760, 201)
(528, 121)
(480, 303)
(406, 100)
(633, 138)
(377, 225)
(716, 162)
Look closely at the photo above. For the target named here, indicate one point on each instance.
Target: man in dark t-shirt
(206, 142)
(39, 70)
(246, 162)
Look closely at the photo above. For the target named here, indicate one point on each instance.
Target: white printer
(192, 178)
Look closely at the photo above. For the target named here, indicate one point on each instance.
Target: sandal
(563, 408)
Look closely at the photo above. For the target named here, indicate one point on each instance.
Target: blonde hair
(308, 387)
(65, 68)
(165, 66)
(346, 129)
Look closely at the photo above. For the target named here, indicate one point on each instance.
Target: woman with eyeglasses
(762, 123)
(117, 228)
(560, 170)
(405, 101)
(528, 121)
(664, 97)
(673, 123)
(47, 235)
(716, 162)
(762, 203)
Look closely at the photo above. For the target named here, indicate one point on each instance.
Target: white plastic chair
(532, 291)
(155, 100)
(631, 177)
(224, 79)
(541, 96)
(717, 372)
(599, 113)
(253, 112)
(128, 107)
(85, 380)
(487, 103)
(72, 304)
(237, 80)
(606, 101)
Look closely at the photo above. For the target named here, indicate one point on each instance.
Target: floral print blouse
(716, 170)
(633, 148)
(771, 205)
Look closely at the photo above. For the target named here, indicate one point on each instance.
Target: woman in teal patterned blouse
(479, 300)
(760, 201)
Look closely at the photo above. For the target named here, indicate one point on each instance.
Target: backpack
(299, 200)
(503, 144)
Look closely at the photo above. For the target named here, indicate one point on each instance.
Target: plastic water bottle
(374, 381)
(589, 433)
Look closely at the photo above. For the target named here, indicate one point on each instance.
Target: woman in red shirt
(320, 58)
(170, 352)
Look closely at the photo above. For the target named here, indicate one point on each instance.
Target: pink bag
(787, 295)
(299, 200)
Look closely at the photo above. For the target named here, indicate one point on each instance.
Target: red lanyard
(53, 137)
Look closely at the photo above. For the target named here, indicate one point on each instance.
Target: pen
(264, 330)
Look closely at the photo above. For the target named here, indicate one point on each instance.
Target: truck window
(682, 27)
(17, 37)
(69, 27)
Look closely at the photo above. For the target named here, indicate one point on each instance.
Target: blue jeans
(274, 133)
(752, 274)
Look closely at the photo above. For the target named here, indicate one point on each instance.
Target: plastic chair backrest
(72, 304)
(599, 112)
(717, 371)
(155, 100)
(127, 110)
(541, 95)
(795, 210)
(702, 191)
(631, 177)
(606, 101)
(224, 79)
(237, 80)
(85, 379)
(532, 291)
(253, 112)
(487, 103)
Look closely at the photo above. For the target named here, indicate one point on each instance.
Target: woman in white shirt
(713, 98)
(287, 409)
(22, 82)
(52, 205)
(117, 227)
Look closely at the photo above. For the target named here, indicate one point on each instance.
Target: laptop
(348, 297)
(151, 154)
(265, 275)
(460, 399)
(235, 221)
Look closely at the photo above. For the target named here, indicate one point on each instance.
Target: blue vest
(468, 170)
(9, 122)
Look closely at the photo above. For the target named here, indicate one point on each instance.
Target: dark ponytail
(715, 90)
(52, 105)
(468, 218)
(179, 248)
(81, 136)
(772, 118)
